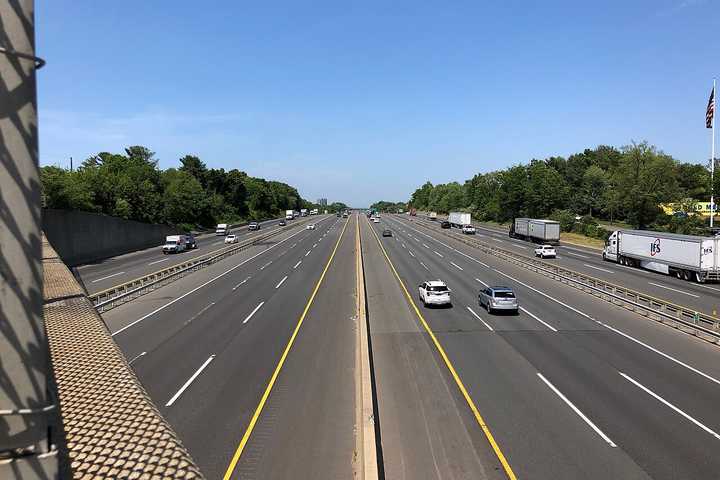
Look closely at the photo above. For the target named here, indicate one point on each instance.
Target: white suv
(434, 292)
(468, 229)
(545, 251)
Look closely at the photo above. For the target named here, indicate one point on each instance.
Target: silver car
(498, 298)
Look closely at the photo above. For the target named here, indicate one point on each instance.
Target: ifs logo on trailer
(655, 247)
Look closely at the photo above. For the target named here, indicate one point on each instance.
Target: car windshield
(503, 295)
(437, 288)
(170, 242)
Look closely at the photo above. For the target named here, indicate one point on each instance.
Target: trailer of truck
(459, 219)
(222, 229)
(289, 215)
(686, 256)
(303, 212)
(536, 230)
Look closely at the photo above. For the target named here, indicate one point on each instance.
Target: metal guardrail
(125, 292)
(683, 318)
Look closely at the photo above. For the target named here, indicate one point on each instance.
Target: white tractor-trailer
(459, 219)
(686, 256)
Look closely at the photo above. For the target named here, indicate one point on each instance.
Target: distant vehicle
(232, 238)
(345, 215)
(222, 229)
(282, 223)
(546, 251)
(433, 216)
(498, 298)
(310, 227)
(174, 244)
(686, 256)
(468, 230)
(434, 292)
(445, 224)
(191, 242)
(253, 226)
(458, 219)
(413, 212)
(303, 212)
(536, 230)
(337, 214)
(289, 214)
(376, 220)
(314, 211)
(387, 233)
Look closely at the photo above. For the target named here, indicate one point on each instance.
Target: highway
(701, 297)
(123, 268)
(206, 347)
(252, 362)
(572, 387)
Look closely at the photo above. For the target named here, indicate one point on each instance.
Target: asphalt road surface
(107, 273)
(252, 361)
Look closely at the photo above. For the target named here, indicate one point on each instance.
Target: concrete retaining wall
(83, 237)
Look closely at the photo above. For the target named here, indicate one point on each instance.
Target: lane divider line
(461, 386)
(297, 265)
(597, 268)
(281, 282)
(159, 261)
(238, 285)
(251, 426)
(669, 405)
(190, 380)
(110, 276)
(479, 318)
(438, 254)
(456, 266)
(253, 312)
(426, 268)
(674, 289)
(577, 411)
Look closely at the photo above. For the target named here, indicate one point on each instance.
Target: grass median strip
(471, 403)
(281, 362)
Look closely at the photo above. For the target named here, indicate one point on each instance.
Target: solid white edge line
(281, 282)
(577, 410)
(538, 319)
(297, 265)
(662, 354)
(109, 276)
(674, 289)
(668, 404)
(456, 266)
(190, 380)
(162, 307)
(479, 318)
(598, 268)
(253, 312)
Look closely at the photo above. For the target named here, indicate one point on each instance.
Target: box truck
(289, 215)
(174, 244)
(222, 229)
(688, 257)
(433, 216)
(303, 212)
(536, 230)
(459, 219)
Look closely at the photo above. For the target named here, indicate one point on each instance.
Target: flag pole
(712, 162)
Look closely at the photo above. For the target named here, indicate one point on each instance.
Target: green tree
(594, 186)
(183, 197)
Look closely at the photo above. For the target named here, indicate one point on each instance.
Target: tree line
(627, 184)
(131, 186)
(389, 207)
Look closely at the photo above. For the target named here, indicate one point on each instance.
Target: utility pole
(28, 416)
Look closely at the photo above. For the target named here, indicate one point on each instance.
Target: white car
(376, 220)
(232, 238)
(434, 292)
(546, 251)
(468, 229)
(310, 227)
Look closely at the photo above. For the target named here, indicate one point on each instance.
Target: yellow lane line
(276, 373)
(485, 428)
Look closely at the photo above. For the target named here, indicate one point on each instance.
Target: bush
(566, 219)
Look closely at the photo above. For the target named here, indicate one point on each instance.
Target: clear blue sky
(362, 101)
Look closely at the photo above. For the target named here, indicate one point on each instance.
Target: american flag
(710, 110)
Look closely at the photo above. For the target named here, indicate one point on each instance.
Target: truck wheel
(699, 277)
(687, 275)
